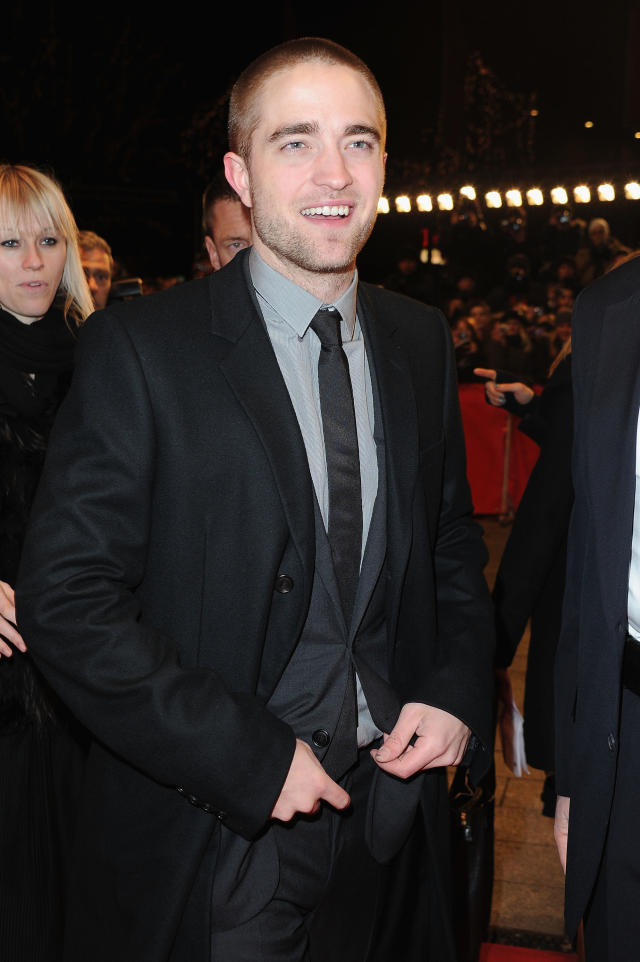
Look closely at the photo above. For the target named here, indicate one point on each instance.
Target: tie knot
(326, 324)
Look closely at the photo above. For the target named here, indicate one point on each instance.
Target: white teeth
(341, 210)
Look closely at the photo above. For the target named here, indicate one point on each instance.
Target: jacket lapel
(252, 372)
(390, 368)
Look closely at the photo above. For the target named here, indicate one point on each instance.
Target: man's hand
(561, 828)
(496, 392)
(8, 630)
(441, 740)
(306, 785)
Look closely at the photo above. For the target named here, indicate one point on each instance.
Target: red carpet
(510, 953)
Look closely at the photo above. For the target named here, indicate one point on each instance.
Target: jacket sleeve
(462, 680)
(84, 557)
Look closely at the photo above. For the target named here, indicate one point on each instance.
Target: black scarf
(44, 348)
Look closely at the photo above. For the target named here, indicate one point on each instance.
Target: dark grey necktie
(343, 462)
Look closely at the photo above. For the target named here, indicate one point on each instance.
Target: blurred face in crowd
(598, 236)
(32, 259)
(97, 269)
(564, 299)
(481, 315)
(565, 271)
(315, 170)
(230, 225)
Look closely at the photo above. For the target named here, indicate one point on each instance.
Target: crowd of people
(251, 628)
(508, 291)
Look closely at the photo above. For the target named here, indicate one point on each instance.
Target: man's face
(97, 269)
(230, 223)
(315, 171)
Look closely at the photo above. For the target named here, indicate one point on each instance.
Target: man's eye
(361, 144)
(294, 145)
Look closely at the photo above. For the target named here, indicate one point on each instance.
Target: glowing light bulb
(424, 202)
(606, 192)
(559, 195)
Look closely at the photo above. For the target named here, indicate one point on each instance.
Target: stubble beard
(292, 247)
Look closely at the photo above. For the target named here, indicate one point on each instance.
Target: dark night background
(127, 108)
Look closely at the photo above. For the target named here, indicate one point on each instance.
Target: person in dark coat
(530, 579)
(597, 678)
(245, 672)
(43, 298)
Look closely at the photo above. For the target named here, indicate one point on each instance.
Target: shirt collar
(292, 303)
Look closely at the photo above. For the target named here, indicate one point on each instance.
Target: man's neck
(327, 287)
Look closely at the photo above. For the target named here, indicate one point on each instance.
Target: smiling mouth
(336, 210)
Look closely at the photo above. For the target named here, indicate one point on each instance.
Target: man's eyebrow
(291, 130)
(362, 129)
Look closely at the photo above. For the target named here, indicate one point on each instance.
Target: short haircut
(27, 195)
(243, 115)
(89, 241)
(218, 189)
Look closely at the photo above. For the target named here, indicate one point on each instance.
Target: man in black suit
(597, 665)
(252, 569)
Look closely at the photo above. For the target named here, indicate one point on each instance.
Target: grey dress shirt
(288, 311)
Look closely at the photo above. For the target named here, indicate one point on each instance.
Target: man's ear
(212, 252)
(237, 174)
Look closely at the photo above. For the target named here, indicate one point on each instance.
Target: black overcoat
(606, 382)
(176, 494)
(530, 579)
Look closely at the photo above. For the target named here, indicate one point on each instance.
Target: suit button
(611, 742)
(321, 738)
(284, 584)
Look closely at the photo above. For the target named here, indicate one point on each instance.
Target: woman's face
(32, 260)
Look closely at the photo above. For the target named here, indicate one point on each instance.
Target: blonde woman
(43, 299)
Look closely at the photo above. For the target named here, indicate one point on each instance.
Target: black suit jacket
(606, 382)
(175, 497)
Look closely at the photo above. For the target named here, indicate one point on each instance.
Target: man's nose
(331, 169)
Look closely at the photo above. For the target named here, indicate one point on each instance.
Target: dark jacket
(176, 495)
(606, 382)
(530, 578)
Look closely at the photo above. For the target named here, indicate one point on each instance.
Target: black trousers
(333, 900)
(612, 921)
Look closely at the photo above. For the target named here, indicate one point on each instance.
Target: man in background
(97, 263)
(226, 222)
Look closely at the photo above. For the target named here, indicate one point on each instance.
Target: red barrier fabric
(499, 457)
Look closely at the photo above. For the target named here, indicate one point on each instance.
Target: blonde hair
(27, 194)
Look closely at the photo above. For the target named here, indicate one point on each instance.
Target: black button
(321, 738)
(221, 815)
(611, 742)
(284, 584)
